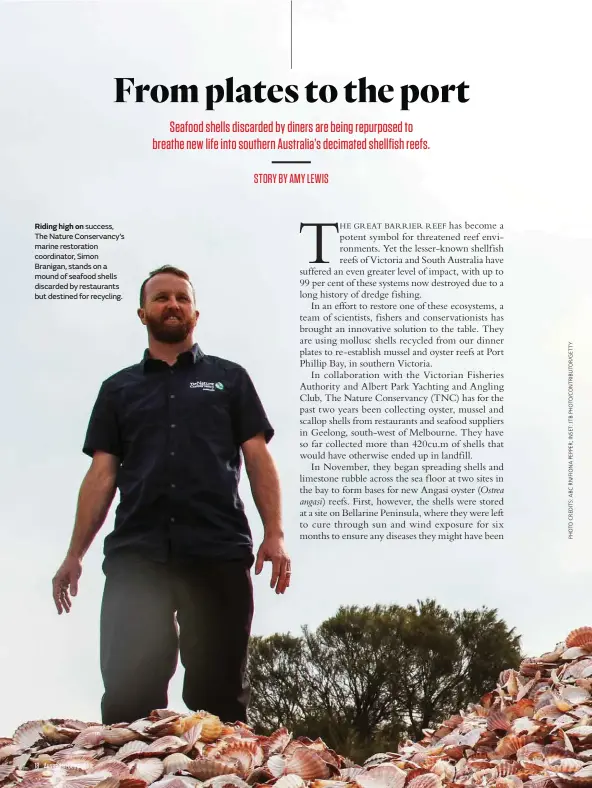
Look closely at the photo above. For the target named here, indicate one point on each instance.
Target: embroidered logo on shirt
(206, 385)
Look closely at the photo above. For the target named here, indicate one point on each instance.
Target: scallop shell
(54, 735)
(581, 637)
(176, 762)
(241, 755)
(564, 721)
(8, 751)
(566, 765)
(387, 776)
(147, 769)
(205, 768)
(90, 737)
(113, 766)
(506, 768)
(574, 695)
(192, 734)
(550, 712)
(425, 781)
(277, 742)
(574, 653)
(307, 763)
(510, 745)
(28, 734)
(581, 668)
(211, 728)
(276, 765)
(73, 753)
(498, 720)
(119, 736)
(294, 745)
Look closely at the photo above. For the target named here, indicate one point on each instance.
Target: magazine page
(296, 371)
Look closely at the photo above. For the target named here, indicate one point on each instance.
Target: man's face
(169, 309)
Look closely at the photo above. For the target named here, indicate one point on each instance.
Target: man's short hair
(165, 269)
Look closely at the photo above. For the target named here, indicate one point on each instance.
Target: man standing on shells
(169, 432)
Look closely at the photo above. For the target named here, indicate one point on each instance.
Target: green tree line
(369, 676)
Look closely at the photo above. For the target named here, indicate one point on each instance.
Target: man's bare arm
(265, 487)
(94, 499)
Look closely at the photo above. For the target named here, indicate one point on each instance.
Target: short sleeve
(248, 416)
(103, 430)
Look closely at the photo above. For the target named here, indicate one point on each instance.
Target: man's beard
(170, 332)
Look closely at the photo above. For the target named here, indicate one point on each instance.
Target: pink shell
(27, 734)
(147, 769)
(131, 749)
(386, 776)
(277, 742)
(308, 764)
(426, 781)
(113, 766)
(205, 768)
(498, 721)
(90, 737)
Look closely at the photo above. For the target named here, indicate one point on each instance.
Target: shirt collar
(187, 357)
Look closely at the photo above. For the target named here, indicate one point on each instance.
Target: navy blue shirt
(177, 431)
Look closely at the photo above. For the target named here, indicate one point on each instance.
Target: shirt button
(172, 396)
(172, 484)
(172, 519)
(173, 425)
(172, 454)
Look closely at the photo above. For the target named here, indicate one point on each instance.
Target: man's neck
(167, 352)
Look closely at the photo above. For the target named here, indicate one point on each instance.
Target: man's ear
(142, 315)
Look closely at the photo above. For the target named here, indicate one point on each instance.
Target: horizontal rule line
(281, 161)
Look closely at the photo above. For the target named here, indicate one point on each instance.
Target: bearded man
(168, 433)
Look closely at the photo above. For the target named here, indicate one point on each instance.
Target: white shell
(276, 765)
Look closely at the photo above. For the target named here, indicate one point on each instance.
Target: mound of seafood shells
(533, 730)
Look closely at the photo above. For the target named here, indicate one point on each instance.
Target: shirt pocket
(143, 421)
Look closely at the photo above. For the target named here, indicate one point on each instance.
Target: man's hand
(66, 579)
(272, 549)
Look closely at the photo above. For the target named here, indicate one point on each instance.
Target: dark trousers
(141, 637)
